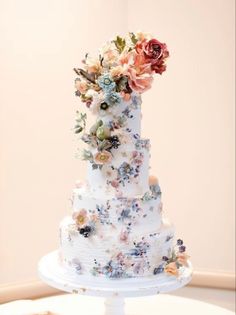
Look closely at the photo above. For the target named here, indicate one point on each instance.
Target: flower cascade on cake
(117, 228)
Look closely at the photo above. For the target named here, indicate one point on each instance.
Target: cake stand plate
(115, 291)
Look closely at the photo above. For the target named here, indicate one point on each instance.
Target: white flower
(110, 54)
(93, 65)
(97, 99)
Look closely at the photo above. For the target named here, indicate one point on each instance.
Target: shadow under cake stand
(115, 291)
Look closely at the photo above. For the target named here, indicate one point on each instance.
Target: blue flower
(158, 270)
(125, 170)
(125, 214)
(113, 270)
(136, 99)
(112, 98)
(156, 190)
(106, 83)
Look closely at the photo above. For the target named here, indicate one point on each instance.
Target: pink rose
(154, 53)
(138, 71)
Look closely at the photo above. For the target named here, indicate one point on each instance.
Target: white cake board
(115, 291)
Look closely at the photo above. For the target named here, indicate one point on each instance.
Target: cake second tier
(126, 175)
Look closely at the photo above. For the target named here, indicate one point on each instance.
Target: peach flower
(117, 71)
(103, 157)
(81, 86)
(153, 181)
(172, 269)
(126, 96)
(182, 258)
(142, 36)
(80, 217)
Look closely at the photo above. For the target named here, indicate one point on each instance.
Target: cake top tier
(124, 65)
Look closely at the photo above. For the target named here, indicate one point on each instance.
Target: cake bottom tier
(137, 256)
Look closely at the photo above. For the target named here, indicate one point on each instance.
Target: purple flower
(165, 258)
(179, 242)
(182, 249)
(86, 231)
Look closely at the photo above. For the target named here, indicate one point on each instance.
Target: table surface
(73, 304)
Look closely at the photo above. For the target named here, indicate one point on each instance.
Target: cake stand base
(115, 291)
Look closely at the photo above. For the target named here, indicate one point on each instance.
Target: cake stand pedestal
(115, 291)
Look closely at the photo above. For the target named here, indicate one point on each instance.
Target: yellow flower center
(107, 81)
(103, 157)
(80, 219)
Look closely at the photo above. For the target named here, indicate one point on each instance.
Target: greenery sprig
(80, 122)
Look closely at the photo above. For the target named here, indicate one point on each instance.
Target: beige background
(188, 114)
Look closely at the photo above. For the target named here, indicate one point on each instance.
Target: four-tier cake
(116, 229)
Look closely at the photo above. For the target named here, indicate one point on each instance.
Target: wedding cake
(117, 229)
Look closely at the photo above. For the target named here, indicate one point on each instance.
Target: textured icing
(105, 255)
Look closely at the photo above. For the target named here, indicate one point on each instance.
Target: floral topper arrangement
(123, 70)
(124, 65)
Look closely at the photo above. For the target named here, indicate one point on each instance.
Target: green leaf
(80, 122)
(133, 38)
(87, 155)
(120, 43)
(78, 130)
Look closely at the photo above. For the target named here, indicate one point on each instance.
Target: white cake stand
(115, 291)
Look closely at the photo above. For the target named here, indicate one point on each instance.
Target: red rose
(155, 53)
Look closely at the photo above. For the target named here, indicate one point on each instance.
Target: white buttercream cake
(116, 228)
